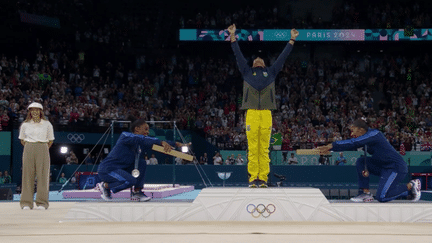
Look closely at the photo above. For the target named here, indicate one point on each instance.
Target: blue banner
(309, 35)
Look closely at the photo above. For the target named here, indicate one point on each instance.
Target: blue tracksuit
(259, 81)
(116, 168)
(385, 162)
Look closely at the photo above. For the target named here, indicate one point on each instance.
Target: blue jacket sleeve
(241, 60)
(278, 64)
(351, 144)
(143, 141)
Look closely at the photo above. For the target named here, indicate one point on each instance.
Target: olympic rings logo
(280, 34)
(261, 210)
(76, 138)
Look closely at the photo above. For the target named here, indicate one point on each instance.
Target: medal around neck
(135, 173)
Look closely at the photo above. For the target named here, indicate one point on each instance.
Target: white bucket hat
(35, 105)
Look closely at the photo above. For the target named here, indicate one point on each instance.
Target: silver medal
(135, 173)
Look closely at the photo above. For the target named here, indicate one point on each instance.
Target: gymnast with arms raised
(115, 170)
(385, 162)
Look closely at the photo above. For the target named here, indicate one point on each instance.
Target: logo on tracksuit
(265, 74)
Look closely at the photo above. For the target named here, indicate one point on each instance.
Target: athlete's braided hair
(361, 123)
(135, 122)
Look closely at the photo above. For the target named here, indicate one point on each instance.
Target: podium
(254, 204)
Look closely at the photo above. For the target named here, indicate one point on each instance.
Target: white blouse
(36, 132)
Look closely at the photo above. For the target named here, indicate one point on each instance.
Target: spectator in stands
(205, 159)
(71, 159)
(90, 159)
(36, 135)
(426, 145)
(62, 178)
(153, 160)
(7, 179)
(341, 159)
(305, 79)
(147, 160)
(239, 160)
(4, 120)
(321, 160)
(285, 147)
(217, 159)
(292, 160)
(1, 178)
(230, 160)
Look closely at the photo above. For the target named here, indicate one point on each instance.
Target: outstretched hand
(167, 147)
(182, 144)
(294, 33)
(324, 149)
(232, 29)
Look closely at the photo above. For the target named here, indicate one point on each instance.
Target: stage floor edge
(254, 204)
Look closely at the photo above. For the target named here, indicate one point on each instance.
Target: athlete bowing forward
(115, 170)
(385, 162)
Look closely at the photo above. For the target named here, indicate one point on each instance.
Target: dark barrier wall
(188, 174)
(5, 151)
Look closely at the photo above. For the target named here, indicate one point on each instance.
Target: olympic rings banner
(309, 35)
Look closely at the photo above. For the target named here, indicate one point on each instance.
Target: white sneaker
(26, 208)
(105, 193)
(364, 197)
(416, 189)
(40, 208)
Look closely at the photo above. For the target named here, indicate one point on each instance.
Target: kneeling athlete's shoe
(105, 192)
(364, 197)
(139, 196)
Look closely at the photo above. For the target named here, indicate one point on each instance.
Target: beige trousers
(36, 162)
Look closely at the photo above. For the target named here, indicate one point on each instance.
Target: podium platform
(254, 204)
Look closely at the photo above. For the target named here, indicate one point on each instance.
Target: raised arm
(241, 60)
(278, 64)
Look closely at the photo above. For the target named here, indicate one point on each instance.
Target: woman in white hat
(36, 135)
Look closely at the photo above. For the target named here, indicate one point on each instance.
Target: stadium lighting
(63, 150)
(185, 149)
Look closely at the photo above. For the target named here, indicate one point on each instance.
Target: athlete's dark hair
(135, 122)
(361, 123)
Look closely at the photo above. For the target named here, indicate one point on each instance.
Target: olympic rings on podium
(261, 210)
